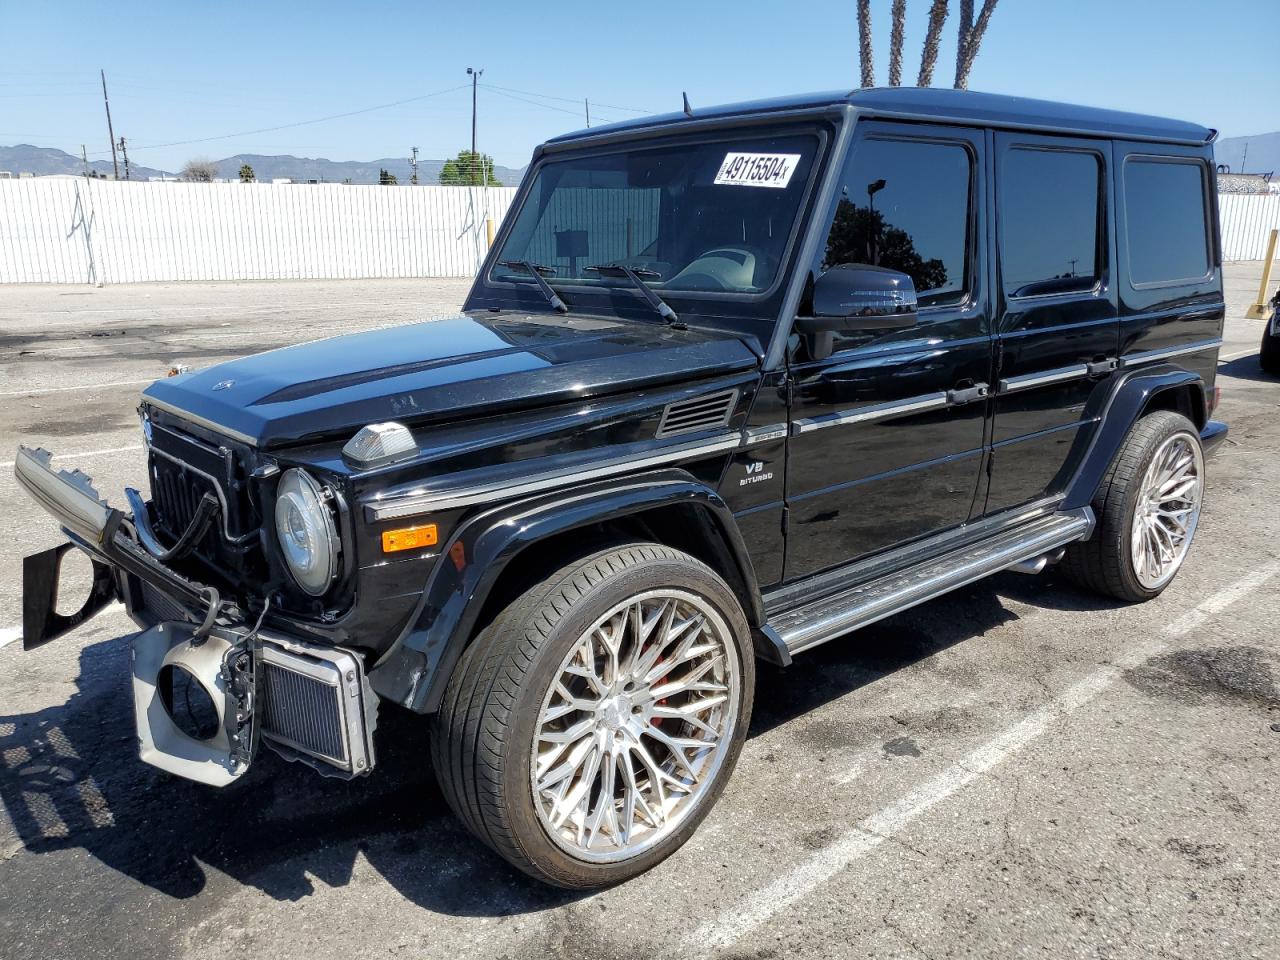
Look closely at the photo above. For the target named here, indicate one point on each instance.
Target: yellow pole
(1259, 311)
(488, 229)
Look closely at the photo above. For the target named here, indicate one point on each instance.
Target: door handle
(1099, 367)
(961, 395)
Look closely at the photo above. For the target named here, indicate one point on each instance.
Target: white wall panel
(90, 231)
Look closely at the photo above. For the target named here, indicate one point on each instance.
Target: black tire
(483, 735)
(1104, 563)
(1269, 352)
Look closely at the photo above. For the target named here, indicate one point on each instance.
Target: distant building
(1254, 183)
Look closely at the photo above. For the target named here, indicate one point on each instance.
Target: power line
(535, 103)
(303, 123)
(547, 96)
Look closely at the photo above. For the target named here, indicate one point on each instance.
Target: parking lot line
(40, 391)
(9, 634)
(758, 907)
(6, 464)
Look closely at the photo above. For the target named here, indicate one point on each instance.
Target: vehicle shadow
(70, 779)
(1245, 368)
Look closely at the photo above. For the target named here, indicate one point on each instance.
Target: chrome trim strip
(775, 431)
(1166, 353)
(200, 421)
(867, 603)
(875, 412)
(427, 501)
(67, 496)
(1028, 380)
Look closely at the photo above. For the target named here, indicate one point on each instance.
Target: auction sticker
(757, 169)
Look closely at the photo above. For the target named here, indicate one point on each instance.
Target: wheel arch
(494, 556)
(1135, 394)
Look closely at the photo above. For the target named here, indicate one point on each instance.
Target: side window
(1164, 213)
(1050, 215)
(904, 204)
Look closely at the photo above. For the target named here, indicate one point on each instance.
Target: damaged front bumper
(307, 702)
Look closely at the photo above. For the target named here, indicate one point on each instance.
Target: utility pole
(84, 159)
(413, 164)
(126, 158)
(587, 103)
(475, 79)
(111, 134)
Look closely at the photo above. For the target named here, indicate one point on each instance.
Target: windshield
(702, 216)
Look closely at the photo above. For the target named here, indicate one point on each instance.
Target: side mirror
(853, 296)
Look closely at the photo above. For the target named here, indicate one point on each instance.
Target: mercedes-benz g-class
(731, 383)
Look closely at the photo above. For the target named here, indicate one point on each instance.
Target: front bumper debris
(223, 664)
(308, 702)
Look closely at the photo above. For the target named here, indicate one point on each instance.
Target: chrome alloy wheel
(1167, 510)
(635, 726)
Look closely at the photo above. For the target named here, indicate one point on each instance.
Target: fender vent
(698, 413)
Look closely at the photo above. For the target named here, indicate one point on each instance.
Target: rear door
(887, 427)
(1171, 306)
(1057, 330)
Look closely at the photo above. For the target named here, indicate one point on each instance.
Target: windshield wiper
(637, 278)
(536, 270)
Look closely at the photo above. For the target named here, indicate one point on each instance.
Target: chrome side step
(831, 616)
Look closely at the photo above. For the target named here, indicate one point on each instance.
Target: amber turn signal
(409, 538)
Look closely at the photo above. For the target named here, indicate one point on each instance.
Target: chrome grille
(175, 493)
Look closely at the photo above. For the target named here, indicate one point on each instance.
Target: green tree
(246, 173)
(859, 235)
(386, 177)
(469, 169)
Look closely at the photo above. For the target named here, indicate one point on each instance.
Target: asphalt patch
(1216, 674)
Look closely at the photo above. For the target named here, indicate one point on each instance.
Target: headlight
(305, 529)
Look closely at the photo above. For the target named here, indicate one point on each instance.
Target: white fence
(96, 231)
(1247, 220)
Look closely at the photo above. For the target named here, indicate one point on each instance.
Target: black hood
(447, 369)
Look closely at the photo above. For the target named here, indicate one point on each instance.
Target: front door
(1058, 329)
(887, 427)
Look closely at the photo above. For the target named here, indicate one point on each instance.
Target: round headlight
(305, 529)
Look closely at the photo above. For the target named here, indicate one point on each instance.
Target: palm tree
(937, 17)
(899, 15)
(970, 38)
(864, 43)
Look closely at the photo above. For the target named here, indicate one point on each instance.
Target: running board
(831, 616)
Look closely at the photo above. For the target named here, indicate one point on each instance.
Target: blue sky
(180, 73)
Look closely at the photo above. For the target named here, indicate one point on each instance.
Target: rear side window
(1165, 217)
(1049, 220)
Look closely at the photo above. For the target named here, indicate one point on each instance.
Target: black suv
(731, 383)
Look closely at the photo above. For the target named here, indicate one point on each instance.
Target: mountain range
(43, 161)
(1263, 155)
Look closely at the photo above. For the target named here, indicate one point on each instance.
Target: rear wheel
(590, 728)
(1147, 508)
(1269, 352)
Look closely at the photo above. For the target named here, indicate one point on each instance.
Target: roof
(940, 104)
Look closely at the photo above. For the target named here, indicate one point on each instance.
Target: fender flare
(415, 671)
(1120, 410)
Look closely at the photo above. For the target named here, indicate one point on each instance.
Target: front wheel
(1147, 507)
(590, 728)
